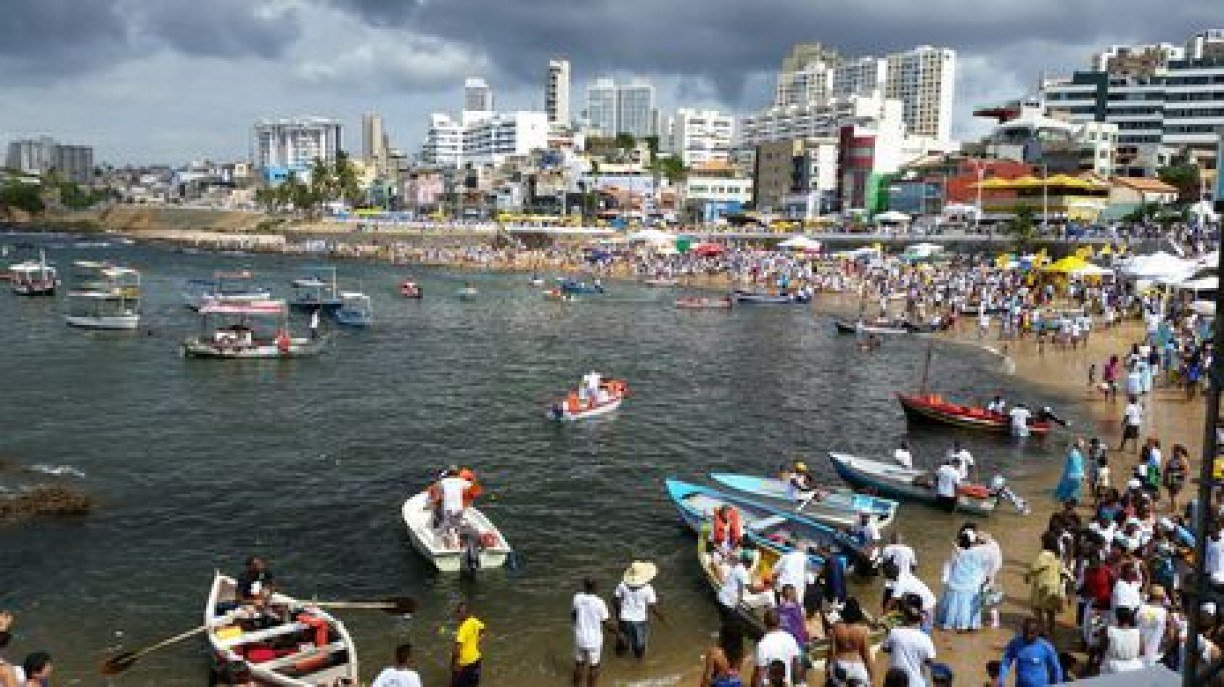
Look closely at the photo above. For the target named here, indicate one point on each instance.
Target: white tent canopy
(1093, 271)
(1203, 284)
(1158, 266)
(923, 249)
(801, 243)
(892, 216)
(652, 236)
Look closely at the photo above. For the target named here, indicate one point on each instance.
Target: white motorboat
(112, 301)
(242, 337)
(306, 647)
(575, 407)
(478, 544)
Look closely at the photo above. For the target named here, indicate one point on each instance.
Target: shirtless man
(851, 646)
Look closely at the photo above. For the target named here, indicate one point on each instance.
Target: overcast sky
(175, 80)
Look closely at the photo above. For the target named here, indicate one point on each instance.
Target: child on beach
(1091, 377)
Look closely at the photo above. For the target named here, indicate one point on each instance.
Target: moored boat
(240, 336)
(574, 286)
(306, 647)
(233, 285)
(318, 290)
(933, 409)
(112, 301)
(34, 277)
(764, 526)
(837, 508)
(478, 543)
(411, 289)
(662, 282)
(779, 298)
(704, 303)
(847, 327)
(576, 406)
(357, 310)
(557, 294)
(894, 481)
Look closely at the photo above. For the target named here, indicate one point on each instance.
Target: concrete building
(924, 80)
(283, 145)
(699, 136)
(73, 163)
(1176, 107)
(1136, 60)
(31, 155)
(481, 141)
(375, 146)
(805, 75)
(601, 107)
(796, 178)
(477, 95)
(859, 76)
(819, 120)
(443, 145)
(557, 93)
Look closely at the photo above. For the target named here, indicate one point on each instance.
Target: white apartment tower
(924, 79)
(477, 95)
(295, 143)
(557, 93)
(699, 136)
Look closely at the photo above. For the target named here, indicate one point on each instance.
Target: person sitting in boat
(736, 584)
(903, 456)
(866, 535)
(474, 489)
(255, 585)
(450, 504)
(997, 406)
(800, 483)
(728, 531)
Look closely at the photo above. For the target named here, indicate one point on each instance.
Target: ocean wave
(56, 470)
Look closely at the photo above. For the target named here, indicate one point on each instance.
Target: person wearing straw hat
(634, 598)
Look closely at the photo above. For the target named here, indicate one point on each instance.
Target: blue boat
(765, 527)
(316, 291)
(838, 508)
(907, 483)
(572, 286)
(356, 310)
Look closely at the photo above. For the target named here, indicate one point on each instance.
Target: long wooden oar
(396, 605)
(120, 662)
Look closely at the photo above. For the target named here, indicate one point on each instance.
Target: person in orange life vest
(474, 489)
(728, 531)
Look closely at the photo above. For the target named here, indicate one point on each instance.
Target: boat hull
(839, 508)
(326, 306)
(350, 319)
(748, 298)
(417, 514)
(844, 327)
(298, 348)
(559, 412)
(921, 411)
(704, 303)
(896, 482)
(111, 322)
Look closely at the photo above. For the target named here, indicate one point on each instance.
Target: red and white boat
(933, 409)
(410, 289)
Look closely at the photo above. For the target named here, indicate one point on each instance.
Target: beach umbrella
(707, 249)
(800, 243)
(683, 244)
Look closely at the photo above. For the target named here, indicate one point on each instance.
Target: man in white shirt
(866, 534)
(1020, 415)
(1152, 620)
(903, 456)
(963, 460)
(900, 554)
(792, 569)
(947, 483)
(1132, 419)
(634, 598)
(450, 494)
(910, 649)
(776, 645)
(401, 674)
(591, 618)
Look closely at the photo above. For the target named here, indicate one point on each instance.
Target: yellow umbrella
(1067, 265)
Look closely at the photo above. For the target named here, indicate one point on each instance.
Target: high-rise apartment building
(477, 95)
(294, 144)
(485, 140)
(635, 109)
(557, 93)
(923, 79)
(601, 106)
(45, 156)
(375, 146)
(699, 136)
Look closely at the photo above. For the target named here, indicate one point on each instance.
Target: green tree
(322, 182)
(626, 141)
(24, 197)
(1023, 228)
(1184, 177)
(652, 143)
(671, 167)
(347, 188)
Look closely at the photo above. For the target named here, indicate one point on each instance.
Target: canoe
(701, 303)
(617, 392)
(487, 549)
(894, 481)
(765, 526)
(751, 297)
(844, 327)
(838, 508)
(931, 409)
(308, 647)
(817, 650)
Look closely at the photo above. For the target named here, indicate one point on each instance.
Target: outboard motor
(470, 540)
(1047, 414)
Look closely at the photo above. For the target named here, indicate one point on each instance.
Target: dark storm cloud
(724, 41)
(43, 40)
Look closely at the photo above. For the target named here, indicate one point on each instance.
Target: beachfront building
(796, 178)
(1172, 106)
(483, 140)
(698, 137)
(292, 145)
(1053, 199)
(557, 93)
(819, 120)
(714, 190)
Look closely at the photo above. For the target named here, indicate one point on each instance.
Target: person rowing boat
(801, 487)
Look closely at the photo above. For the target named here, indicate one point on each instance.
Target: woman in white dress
(1123, 644)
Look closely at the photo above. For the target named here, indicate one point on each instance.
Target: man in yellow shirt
(465, 656)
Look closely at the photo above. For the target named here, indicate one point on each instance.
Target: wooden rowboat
(836, 508)
(932, 409)
(482, 545)
(702, 303)
(894, 481)
(304, 647)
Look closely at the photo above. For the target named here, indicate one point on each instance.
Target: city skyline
(172, 81)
